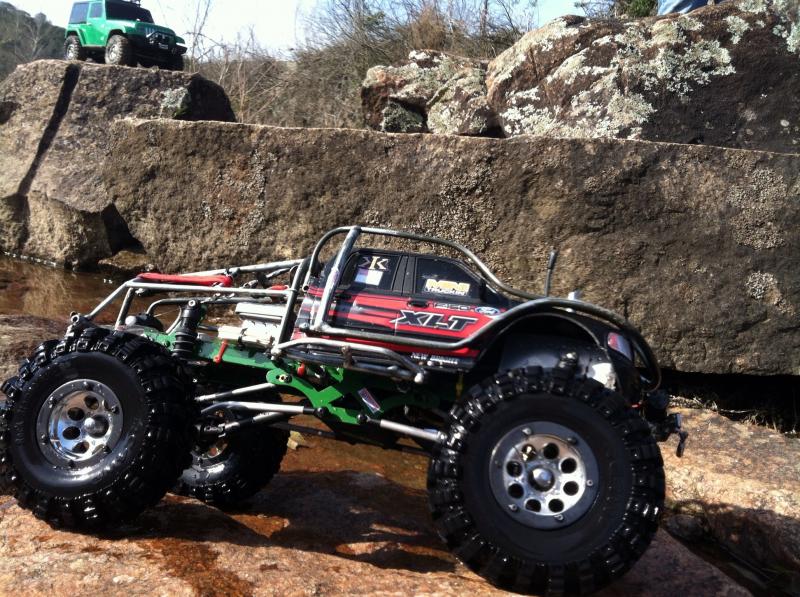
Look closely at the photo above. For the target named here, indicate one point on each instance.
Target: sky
(277, 24)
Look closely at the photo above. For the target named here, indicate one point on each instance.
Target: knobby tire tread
(163, 454)
(623, 548)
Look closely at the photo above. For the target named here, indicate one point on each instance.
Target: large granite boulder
(430, 92)
(55, 118)
(723, 75)
(697, 245)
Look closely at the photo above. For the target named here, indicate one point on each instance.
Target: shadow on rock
(355, 516)
(760, 540)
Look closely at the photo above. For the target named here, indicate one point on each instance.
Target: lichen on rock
(174, 103)
(737, 27)
(401, 98)
(609, 84)
(763, 286)
(696, 78)
(539, 40)
(755, 222)
(399, 119)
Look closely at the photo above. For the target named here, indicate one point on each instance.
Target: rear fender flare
(543, 339)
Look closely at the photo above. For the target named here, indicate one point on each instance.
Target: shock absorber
(186, 330)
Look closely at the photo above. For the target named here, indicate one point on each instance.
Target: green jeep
(121, 32)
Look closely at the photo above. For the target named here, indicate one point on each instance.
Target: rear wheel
(226, 472)
(99, 428)
(119, 51)
(546, 484)
(73, 50)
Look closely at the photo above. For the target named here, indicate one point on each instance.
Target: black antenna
(551, 265)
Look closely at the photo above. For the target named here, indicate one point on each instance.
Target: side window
(371, 271)
(445, 279)
(78, 14)
(96, 10)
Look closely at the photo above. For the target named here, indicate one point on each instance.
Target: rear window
(79, 11)
(371, 271)
(127, 11)
(444, 278)
(96, 11)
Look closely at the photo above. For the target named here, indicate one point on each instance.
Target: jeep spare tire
(176, 62)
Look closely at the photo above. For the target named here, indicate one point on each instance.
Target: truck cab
(411, 294)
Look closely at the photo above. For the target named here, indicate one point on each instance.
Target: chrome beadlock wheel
(114, 53)
(79, 423)
(544, 475)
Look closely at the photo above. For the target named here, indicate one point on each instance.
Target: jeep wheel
(73, 50)
(119, 51)
(99, 428)
(546, 484)
(175, 63)
(227, 472)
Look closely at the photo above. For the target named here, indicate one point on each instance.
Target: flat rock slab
(54, 135)
(697, 245)
(743, 484)
(27, 100)
(320, 528)
(71, 169)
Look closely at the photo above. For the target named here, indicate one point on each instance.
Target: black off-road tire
(591, 551)
(73, 50)
(175, 63)
(249, 460)
(155, 430)
(119, 51)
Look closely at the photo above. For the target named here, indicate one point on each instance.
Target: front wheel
(98, 428)
(73, 50)
(546, 484)
(175, 63)
(119, 51)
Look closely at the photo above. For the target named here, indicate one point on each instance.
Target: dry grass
(320, 85)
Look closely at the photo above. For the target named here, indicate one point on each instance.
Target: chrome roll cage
(320, 335)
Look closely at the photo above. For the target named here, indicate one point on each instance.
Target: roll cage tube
(219, 295)
(534, 304)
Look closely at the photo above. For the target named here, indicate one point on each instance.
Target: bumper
(155, 47)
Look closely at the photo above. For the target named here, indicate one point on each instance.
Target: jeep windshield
(127, 11)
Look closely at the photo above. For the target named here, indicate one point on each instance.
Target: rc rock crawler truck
(123, 33)
(538, 413)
